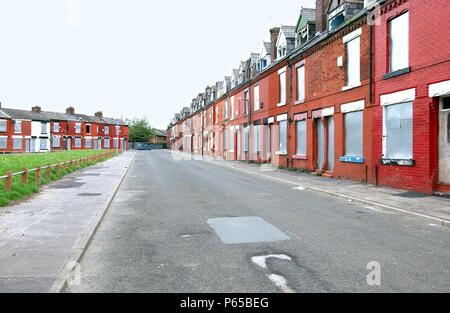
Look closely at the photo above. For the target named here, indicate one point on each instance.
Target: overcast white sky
(127, 58)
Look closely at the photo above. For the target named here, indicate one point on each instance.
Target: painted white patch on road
(280, 281)
(376, 210)
(299, 188)
(261, 260)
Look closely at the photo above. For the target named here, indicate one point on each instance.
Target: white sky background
(128, 58)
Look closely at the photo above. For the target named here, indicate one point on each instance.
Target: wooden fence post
(57, 169)
(38, 174)
(48, 171)
(71, 164)
(24, 176)
(64, 167)
(8, 181)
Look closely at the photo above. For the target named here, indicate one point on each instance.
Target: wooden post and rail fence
(73, 164)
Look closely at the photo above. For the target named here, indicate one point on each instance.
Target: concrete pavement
(182, 225)
(39, 235)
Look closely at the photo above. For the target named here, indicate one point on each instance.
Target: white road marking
(299, 188)
(280, 281)
(261, 260)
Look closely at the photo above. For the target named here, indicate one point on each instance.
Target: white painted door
(444, 141)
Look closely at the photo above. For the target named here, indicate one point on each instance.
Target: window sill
(299, 157)
(299, 101)
(281, 153)
(352, 159)
(397, 73)
(280, 104)
(400, 162)
(351, 86)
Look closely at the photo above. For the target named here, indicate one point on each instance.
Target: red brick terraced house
(6, 132)
(358, 89)
(411, 115)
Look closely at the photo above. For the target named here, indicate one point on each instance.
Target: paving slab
(40, 234)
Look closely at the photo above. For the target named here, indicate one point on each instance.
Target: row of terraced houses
(23, 131)
(358, 89)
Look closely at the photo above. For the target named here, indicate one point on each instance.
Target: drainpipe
(371, 66)
(249, 119)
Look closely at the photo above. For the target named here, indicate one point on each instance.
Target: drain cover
(252, 229)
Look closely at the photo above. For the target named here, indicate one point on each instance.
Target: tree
(139, 130)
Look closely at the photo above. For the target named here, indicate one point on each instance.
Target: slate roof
(3, 115)
(268, 47)
(109, 120)
(309, 14)
(289, 31)
(56, 116)
(25, 115)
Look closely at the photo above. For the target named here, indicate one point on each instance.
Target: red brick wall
(429, 57)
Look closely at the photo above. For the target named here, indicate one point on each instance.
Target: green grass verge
(15, 163)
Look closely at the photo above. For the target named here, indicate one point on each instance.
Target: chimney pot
(98, 114)
(36, 109)
(70, 110)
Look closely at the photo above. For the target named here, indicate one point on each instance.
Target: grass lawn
(15, 163)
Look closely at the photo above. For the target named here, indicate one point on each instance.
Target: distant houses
(23, 131)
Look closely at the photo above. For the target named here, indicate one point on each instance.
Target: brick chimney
(36, 109)
(98, 114)
(70, 110)
(273, 42)
(321, 15)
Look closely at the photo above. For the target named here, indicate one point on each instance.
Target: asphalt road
(159, 235)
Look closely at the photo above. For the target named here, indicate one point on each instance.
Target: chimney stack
(36, 109)
(321, 15)
(98, 114)
(70, 110)
(273, 42)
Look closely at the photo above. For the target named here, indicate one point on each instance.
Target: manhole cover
(252, 229)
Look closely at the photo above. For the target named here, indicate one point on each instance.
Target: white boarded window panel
(353, 62)
(2, 125)
(18, 127)
(55, 142)
(353, 133)
(256, 137)
(88, 142)
(256, 97)
(231, 140)
(301, 82)
(399, 132)
(399, 39)
(283, 88)
(17, 143)
(3, 142)
(77, 142)
(301, 138)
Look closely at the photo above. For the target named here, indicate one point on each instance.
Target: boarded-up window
(43, 128)
(77, 142)
(17, 143)
(282, 88)
(116, 142)
(78, 128)
(56, 127)
(353, 133)
(301, 83)
(231, 140)
(399, 132)
(106, 143)
(106, 130)
(225, 133)
(256, 137)
(301, 138)
(399, 40)
(353, 63)
(18, 127)
(56, 142)
(88, 142)
(43, 143)
(256, 97)
(3, 142)
(3, 126)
